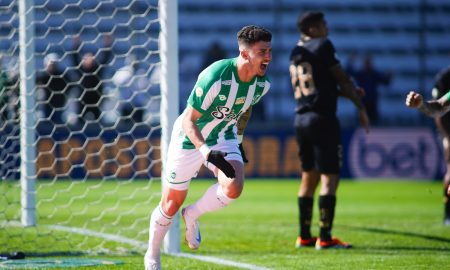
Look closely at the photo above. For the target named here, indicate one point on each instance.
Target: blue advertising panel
(395, 153)
(400, 153)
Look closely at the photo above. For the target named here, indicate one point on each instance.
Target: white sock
(214, 199)
(159, 225)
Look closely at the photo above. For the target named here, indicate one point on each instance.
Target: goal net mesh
(97, 125)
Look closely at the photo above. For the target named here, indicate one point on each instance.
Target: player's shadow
(55, 254)
(409, 234)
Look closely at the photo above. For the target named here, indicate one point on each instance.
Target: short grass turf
(392, 224)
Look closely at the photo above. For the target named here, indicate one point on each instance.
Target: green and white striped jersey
(222, 98)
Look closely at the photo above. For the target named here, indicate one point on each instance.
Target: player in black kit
(317, 80)
(439, 108)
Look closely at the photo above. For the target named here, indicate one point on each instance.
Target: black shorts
(319, 141)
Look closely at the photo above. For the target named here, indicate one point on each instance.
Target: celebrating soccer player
(317, 80)
(209, 132)
(438, 108)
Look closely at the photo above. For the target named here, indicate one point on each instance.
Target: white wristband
(204, 149)
(240, 138)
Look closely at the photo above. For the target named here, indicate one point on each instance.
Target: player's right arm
(191, 130)
(432, 108)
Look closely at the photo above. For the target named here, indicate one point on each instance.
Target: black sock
(327, 205)
(446, 203)
(305, 209)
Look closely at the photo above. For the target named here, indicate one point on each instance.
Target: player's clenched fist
(414, 100)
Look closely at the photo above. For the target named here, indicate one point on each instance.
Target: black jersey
(441, 87)
(315, 88)
(442, 83)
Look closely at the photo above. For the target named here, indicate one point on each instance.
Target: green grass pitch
(392, 224)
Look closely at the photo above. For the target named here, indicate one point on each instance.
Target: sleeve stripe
(266, 88)
(447, 96)
(211, 95)
(250, 96)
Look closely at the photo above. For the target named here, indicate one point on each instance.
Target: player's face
(322, 29)
(259, 57)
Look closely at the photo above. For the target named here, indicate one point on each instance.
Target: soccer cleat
(310, 242)
(334, 243)
(151, 264)
(193, 236)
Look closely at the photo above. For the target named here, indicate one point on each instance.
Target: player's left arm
(349, 90)
(346, 86)
(243, 121)
(241, 124)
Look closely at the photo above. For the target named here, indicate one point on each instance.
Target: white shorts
(184, 164)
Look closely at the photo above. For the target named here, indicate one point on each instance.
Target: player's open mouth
(263, 66)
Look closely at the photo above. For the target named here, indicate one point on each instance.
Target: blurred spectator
(259, 112)
(369, 79)
(152, 112)
(132, 83)
(9, 91)
(91, 70)
(53, 83)
(3, 94)
(214, 53)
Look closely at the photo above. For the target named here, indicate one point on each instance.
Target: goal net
(85, 113)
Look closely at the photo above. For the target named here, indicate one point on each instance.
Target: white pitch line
(143, 245)
(219, 261)
(107, 236)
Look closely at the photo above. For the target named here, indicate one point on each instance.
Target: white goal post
(27, 114)
(87, 166)
(168, 40)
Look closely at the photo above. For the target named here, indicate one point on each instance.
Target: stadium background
(407, 38)
(393, 224)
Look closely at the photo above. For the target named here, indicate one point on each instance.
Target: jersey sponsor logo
(227, 82)
(225, 113)
(222, 97)
(220, 112)
(240, 100)
(199, 91)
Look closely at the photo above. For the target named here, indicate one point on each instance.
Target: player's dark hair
(309, 19)
(251, 34)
